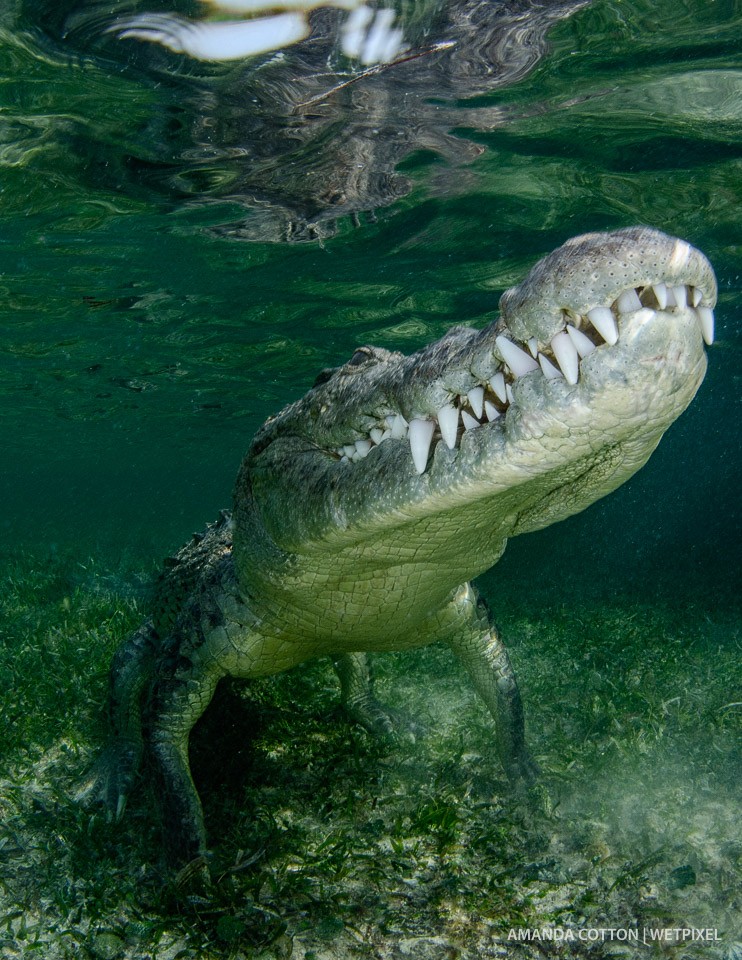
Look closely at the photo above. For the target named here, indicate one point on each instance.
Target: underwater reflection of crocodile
(306, 136)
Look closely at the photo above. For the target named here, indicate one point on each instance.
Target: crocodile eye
(361, 356)
(323, 376)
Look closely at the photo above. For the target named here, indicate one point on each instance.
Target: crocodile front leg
(111, 778)
(473, 638)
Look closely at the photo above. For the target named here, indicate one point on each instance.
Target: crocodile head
(438, 457)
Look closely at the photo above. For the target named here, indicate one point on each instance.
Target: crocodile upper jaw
(598, 350)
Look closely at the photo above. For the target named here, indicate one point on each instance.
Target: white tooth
(355, 458)
(363, 447)
(706, 316)
(681, 296)
(660, 291)
(671, 297)
(448, 421)
(628, 302)
(604, 322)
(518, 360)
(470, 423)
(344, 459)
(476, 399)
(377, 435)
(498, 385)
(645, 315)
(548, 369)
(680, 254)
(491, 411)
(385, 435)
(349, 449)
(389, 421)
(533, 346)
(509, 393)
(584, 345)
(421, 434)
(566, 356)
(399, 427)
(696, 296)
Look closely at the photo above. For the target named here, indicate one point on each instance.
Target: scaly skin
(336, 549)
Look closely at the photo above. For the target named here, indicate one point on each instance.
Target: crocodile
(363, 510)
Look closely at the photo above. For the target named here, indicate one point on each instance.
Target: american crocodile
(363, 510)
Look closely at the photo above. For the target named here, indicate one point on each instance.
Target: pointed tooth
(491, 411)
(377, 435)
(566, 356)
(628, 302)
(363, 448)
(448, 421)
(660, 291)
(706, 316)
(470, 422)
(680, 254)
(421, 434)
(643, 316)
(680, 293)
(518, 360)
(533, 346)
(671, 302)
(476, 399)
(548, 369)
(399, 427)
(605, 323)
(349, 449)
(584, 345)
(385, 435)
(695, 296)
(344, 459)
(498, 385)
(509, 393)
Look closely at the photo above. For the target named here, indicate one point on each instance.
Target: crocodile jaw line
(564, 359)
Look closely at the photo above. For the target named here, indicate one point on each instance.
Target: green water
(145, 338)
(140, 351)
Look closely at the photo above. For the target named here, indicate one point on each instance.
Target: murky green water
(141, 349)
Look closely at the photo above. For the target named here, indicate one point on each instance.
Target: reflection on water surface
(307, 136)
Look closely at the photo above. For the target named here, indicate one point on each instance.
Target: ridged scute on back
(182, 571)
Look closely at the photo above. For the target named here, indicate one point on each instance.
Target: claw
(109, 780)
(120, 807)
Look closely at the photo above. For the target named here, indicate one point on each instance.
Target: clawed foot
(522, 770)
(383, 722)
(525, 775)
(109, 780)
